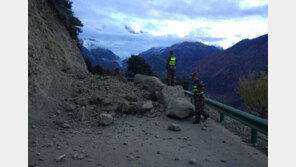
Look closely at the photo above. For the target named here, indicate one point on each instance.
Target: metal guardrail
(130, 79)
(252, 121)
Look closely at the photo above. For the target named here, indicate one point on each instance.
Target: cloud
(132, 26)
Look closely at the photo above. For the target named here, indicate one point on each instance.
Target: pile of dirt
(60, 87)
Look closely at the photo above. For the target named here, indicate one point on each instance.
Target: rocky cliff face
(52, 57)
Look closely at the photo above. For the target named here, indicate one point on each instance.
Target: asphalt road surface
(140, 141)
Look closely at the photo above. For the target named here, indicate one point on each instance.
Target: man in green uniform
(198, 88)
(171, 68)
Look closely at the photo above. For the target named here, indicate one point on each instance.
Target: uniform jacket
(198, 89)
(168, 61)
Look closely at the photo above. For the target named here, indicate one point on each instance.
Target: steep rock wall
(52, 57)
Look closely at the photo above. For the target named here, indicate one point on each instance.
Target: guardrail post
(192, 100)
(222, 116)
(254, 133)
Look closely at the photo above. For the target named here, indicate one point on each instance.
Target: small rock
(157, 152)
(192, 161)
(70, 107)
(130, 157)
(223, 141)
(80, 156)
(60, 158)
(65, 125)
(147, 106)
(58, 112)
(176, 158)
(131, 98)
(33, 126)
(75, 155)
(222, 160)
(123, 107)
(174, 127)
(58, 122)
(125, 143)
(49, 145)
(105, 119)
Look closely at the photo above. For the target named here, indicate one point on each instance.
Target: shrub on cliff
(65, 13)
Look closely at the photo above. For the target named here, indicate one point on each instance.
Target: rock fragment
(130, 157)
(105, 119)
(60, 158)
(192, 161)
(174, 127)
(147, 106)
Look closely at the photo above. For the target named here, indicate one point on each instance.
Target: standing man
(171, 68)
(198, 88)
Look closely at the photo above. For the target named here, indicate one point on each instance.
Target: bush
(137, 65)
(254, 92)
(65, 13)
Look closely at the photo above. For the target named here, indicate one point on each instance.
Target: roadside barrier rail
(253, 121)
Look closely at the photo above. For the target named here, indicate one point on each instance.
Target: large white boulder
(180, 108)
(169, 93)
(150, 83)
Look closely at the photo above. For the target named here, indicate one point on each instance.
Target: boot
(197, 120)
(206, 116)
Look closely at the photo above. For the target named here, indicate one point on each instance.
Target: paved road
(146, 142)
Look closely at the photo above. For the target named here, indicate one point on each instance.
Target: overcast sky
(132, 26)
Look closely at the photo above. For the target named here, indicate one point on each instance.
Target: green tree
(254, 92)
(137, 65)
(65, 13)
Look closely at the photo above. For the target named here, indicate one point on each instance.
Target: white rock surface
(180, 108)
(147, 106)
(150, 83)
(169, 93)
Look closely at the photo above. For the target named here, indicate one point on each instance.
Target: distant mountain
(221, 71)
(100, 56)
(186, 52)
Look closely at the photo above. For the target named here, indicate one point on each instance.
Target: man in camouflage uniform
(198, 88)
(171, 68)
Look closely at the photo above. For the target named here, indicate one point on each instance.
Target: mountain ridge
(221, 71)
(101, 56)
(190, 51)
